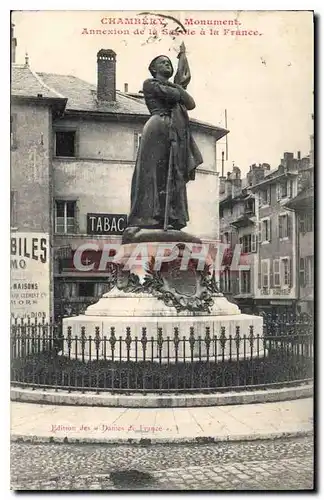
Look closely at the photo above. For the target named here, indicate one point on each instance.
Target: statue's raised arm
(183, 75)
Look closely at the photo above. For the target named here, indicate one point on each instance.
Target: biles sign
(30, 276)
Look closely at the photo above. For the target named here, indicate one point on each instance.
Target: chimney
(298, 155)
(13, 45)
(126, 88)
(222, 163)
(222, 185)
(106, 62)
(256, 173)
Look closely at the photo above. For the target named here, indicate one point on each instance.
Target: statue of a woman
(167, 156)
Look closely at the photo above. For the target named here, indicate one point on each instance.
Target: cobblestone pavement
(282, 464)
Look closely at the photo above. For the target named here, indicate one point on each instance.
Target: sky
(264, 80)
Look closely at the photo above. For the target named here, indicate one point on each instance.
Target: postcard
(162, 250)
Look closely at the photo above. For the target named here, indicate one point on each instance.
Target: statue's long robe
(167, 128)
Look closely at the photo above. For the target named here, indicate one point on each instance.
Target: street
(281, 464)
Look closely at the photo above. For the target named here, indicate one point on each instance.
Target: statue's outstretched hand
(183, 75)
(182, 49)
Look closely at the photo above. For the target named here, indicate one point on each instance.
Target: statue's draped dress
(166, 138)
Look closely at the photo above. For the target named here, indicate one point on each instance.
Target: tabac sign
(30, 275)
(106, 223)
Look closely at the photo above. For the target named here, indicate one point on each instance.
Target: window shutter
(259, 232)
(74, 290)
(289, 226)
(269, 195)
(137, 140)
(13, 131)
(76, 218)
(259, 280)
(278, 191)
(301, 223)
(269, 230)
(280, 232)
(263, 235)
(301, 272)
(262, 273)
(276, 272)
(271, 280)
(253, 242)
(289, 272)
(135, 144)
(265, 273)
(306, 271)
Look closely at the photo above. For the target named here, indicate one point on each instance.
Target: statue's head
(161, 65)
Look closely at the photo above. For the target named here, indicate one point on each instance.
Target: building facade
(33, 110)
(277, 280)
(303, 205)
(270, 214)
(238, 222)
(75, 146)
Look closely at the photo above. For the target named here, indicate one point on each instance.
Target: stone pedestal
(168, 325)
(160, 302)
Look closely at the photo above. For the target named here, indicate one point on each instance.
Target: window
(276, 273)
(246, 242)
(227, 238)
(137, 142)
(284, 226)
(65, 143)
(302, 223)
(259, 227)
(309, 270)
(309, 223)
(86, 289)
(265, 196)
(249, 206)
(285, 189)
(65, 221)
(13, 208)
(266, 230)
(302, 272)
(67, 290)
(245, 282)
(306, 223)
(13, 123)
(225, 281)
(253, 242)
(238, 210)
(265, 273)
(285, 270)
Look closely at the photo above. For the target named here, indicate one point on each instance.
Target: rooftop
(26, 83)
(303, 200)
(82, 96)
